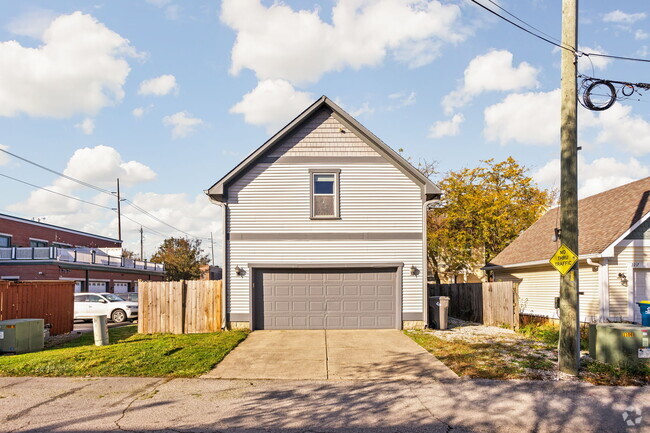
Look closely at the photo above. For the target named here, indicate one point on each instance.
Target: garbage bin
(438, 307)
(100, 330)
(644, 306)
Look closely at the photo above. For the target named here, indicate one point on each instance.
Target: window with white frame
(37, 243)
(5, 241)
(325, 194)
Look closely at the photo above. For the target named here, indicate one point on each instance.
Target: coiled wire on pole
(600, 94)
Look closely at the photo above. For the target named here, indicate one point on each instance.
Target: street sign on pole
(563, 259)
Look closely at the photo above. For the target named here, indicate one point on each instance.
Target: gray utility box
(21, 335)
(438, 309)
(613, 343)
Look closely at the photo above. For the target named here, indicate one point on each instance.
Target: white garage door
(77, 286)
(97, 286)
(641, 291)
(121, 288)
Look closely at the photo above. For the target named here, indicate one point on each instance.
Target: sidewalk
(210, 405)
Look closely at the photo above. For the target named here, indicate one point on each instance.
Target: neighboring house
(614, 252)
(325, 229)
(32, 250)
(209, 272)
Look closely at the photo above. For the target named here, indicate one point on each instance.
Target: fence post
(183, 305)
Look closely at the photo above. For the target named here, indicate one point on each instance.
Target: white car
(88, 305)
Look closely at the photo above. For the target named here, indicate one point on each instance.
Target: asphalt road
(246, 406)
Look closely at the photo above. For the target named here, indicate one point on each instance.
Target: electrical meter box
(21, 335)
(613, 343)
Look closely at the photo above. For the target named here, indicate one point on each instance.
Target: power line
(55, 192)
(133, 205)
(97, 188)
(81, 182)
(546, 39)
(148, 228)
(520, 27)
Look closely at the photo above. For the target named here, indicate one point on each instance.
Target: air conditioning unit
(21, 335)
(613, 343)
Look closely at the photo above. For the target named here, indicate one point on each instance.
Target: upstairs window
(37, 243)
(5, 241)
(325, 194)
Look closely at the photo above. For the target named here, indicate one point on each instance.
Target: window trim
(337, 192)
(47, 243)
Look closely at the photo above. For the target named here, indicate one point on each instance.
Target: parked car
(130, 296)
(88, 305)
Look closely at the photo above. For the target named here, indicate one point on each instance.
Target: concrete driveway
(333, 355)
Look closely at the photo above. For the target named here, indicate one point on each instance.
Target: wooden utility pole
(569, 344)
(119, 212)
(141, 244)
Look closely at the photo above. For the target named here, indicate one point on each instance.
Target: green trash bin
(644, 306)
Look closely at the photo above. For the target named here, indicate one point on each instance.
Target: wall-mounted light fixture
(623, 278)
(414, 270)
(238, 270)
(557, 233)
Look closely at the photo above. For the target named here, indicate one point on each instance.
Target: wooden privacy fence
(487, 303)
(52, 301)
(179, 307)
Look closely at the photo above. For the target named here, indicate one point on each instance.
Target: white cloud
(66, 75)
(87, 126)
(159, 86)
(32, 23)
(361, 111)
(625, 130)
(402, 99)
(4, 158)
(594, 177)
(172, 11)
(640, 35)
(100, 166)
(621, 17)
(182, 123)
(493, 71)
(138, 112)
(298, 46)
(527, 118)
(447, 128)
(273, 103)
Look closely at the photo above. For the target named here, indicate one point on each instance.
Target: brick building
(31, 250)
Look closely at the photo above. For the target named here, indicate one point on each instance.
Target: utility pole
(569, 344)
(141, 244)
(212, 246)
(119, 212)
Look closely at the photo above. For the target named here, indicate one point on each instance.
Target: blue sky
(170, 95)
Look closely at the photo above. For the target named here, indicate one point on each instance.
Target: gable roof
(218, 191)
(603, 220)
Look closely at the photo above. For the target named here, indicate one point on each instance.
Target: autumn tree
(182, 257)
(482, 210)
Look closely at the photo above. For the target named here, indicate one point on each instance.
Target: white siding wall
(275, 198)
(538, 287)
(620, 294)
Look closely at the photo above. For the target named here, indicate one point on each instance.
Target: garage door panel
(325, 298)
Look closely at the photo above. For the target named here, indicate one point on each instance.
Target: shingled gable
(219, 190)
(604, 220)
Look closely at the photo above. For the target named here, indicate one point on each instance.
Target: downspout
(592, 263)
(425, 262)
(224, 269)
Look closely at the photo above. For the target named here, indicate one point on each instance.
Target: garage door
(120, 287)
(325, 299)
(641, 291)
(97, 286)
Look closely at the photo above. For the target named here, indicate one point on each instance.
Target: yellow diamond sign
(563, 259)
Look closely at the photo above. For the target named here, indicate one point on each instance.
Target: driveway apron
(330, 355)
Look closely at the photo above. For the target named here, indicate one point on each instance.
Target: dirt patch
(56, 340)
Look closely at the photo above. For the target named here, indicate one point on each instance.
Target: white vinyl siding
(538, 287)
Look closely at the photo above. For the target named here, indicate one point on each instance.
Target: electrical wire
(97, 188)
(546, 39)
(57, 193)
(143, 226)
(81, 182)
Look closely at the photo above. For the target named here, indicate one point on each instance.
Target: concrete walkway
(74, 405)
(330, 355)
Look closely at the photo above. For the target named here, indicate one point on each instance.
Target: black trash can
(438, 311)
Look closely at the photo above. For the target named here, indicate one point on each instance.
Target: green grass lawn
(130, 354)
